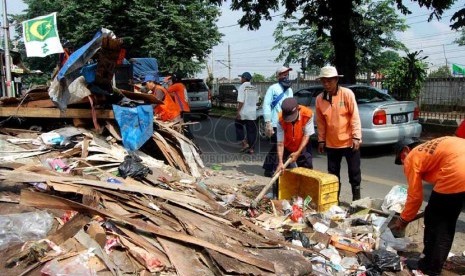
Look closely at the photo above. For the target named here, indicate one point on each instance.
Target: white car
(384, 119)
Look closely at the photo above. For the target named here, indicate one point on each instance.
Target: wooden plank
(184, 259)
(165, 194)
(37, 112)
(41, 200)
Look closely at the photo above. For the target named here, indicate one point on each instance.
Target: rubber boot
(355, 193)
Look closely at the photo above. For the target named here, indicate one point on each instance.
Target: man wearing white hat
(274, 97)
(339, 128)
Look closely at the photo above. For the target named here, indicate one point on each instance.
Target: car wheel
(261, 128)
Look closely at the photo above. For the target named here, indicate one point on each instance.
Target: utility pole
(444, 50)
(229, 62)
(6, 32)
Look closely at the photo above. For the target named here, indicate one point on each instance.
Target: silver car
(384, 119)
(199, 95)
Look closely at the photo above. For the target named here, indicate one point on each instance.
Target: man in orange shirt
(439, 162)
(169, 110)
(339, 128)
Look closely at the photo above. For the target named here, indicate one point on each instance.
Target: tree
(258, 77)
(179, 33)
(461, 40)
(373, 32)
(441, 72)
(333, 17)
(405, 78)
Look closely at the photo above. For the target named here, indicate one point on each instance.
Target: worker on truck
(439, 162)
(169, 111)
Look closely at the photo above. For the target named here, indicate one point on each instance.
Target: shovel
(254, 202)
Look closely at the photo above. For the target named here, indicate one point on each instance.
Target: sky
(251, 50)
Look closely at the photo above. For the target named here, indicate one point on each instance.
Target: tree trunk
(342, 38)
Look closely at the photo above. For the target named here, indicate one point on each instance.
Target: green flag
(458, 70)
(40, 36)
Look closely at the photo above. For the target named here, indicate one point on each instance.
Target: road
(216, 138)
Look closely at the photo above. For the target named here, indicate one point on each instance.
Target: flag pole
(9, 91)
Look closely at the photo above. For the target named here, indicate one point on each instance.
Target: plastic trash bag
(135, 123)
(386, 260)
(132, 166)
(19, 228)
(378, 261)
(395, 199)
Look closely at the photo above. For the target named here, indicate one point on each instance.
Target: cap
(290, 109)
(402, 149)
(150, 78)
(246, 75)
(283, 69)
(329, 72)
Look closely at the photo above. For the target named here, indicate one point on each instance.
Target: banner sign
(40, 36)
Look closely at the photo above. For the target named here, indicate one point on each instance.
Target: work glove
(398, 227)
(269, 129)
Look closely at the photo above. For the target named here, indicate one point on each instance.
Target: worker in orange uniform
(339, 128)
(169, 111)
(178, 92)
(293, 133)
(439, 162)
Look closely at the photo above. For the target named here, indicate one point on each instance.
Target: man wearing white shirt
(247, 97)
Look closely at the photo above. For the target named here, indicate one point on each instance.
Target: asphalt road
(217, 140)
(216, 137)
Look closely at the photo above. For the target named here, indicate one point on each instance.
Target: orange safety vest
(177, 93)
(169, 109)
(294, 132)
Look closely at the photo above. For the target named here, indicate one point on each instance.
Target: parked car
(384, 119)
(227, 93)
(199, 95)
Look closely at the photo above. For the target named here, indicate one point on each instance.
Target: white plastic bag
(395, 199)
(19, 228)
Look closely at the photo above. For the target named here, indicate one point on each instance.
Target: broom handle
(273, 179)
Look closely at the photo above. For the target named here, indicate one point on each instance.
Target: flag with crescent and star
(40, 36)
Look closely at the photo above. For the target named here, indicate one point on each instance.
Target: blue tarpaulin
(142, 67)
(80, 57)
(135, 123)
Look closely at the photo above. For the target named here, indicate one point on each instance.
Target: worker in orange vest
(439, 162)
(178, 92)
(295, 125)
(169, 110)
(293, 131)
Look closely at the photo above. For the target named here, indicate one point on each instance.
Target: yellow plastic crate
(321, 187)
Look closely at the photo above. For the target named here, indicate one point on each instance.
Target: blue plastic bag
(135, 123)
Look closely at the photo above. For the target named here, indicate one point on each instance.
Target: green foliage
(373, 29)
(332, 18)
(441, 72)
(405, 77)
(179, 33)
(258, 77)
(461, 40)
